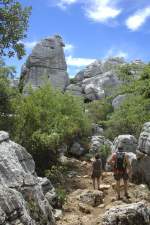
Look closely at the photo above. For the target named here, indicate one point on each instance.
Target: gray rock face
(144, 140)
(128, 142)
(46, 63)
(118, 101)
(76, 149)
(93, 198)
(100, 86)
(74, 89)
(98, 79)
(20, 188)
(141, 167)
(97, 141)
(136, 213)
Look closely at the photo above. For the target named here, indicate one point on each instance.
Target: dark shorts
(119, 176)
(96, 174)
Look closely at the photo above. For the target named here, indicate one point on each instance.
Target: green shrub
(62, 195)
(98, 110)
(47, 118)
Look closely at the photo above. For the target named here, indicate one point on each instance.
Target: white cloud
(68, 49)
(135, 21)
(78, 62)
(30, 45)
(102, 10)
(64, 3)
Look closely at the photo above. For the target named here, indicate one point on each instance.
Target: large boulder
(76, 149)
(92, 198)
(22, 193)
(141, 167)
(46, 63)
(128, 142)
(97, 141)
(130, 214)
(100, 86)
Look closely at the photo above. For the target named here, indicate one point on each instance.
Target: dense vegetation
(47, 118)
(8, 95)
(13, 26)
(135, 109)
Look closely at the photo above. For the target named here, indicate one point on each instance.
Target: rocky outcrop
(136, 213)
(92, 198)
(128, 142)
(141, 167)
(76, 149)
(98, 141)
(24, 197)
(97, 80)
(46, 63)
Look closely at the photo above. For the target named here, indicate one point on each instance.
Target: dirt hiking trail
(81, 207)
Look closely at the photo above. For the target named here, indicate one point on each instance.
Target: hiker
(121, 169)
(96, 170)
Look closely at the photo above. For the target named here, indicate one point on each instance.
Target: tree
(13, 26)
(7, 96)
(47, 118)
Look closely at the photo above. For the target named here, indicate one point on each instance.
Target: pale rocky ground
(77, 212)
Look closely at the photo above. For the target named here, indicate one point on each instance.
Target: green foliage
(105, 151)
(135, 110)
(56, 174)
(73, 81)
(7, 96)
(129, 118)
(99, 110)
(13, 27)
(62, 195)
(47, 118)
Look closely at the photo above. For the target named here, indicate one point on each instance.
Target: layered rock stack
(46, 63)
(24, 197)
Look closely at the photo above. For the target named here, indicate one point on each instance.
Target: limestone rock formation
(97, 80)
(46, 62)
(141, 167)
(24, 197)
(135, 213)
(128, 142)
(76, 149)
(97, 141)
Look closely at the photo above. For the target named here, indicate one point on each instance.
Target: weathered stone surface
(19, 186)
(92, 198)
(100, 86)
(97, 141)
(144, 140)
(46, 62)
(141, 167)
(128, 142)
(76, 149)
(74, 89)
(4, 136)
(136, 213)
(117, 101)
(91, 70)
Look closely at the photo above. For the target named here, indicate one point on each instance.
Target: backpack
(119, 164)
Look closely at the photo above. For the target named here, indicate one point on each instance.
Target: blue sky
(91, 29)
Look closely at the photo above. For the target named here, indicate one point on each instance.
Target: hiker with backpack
(122, 170)
(96, 171)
